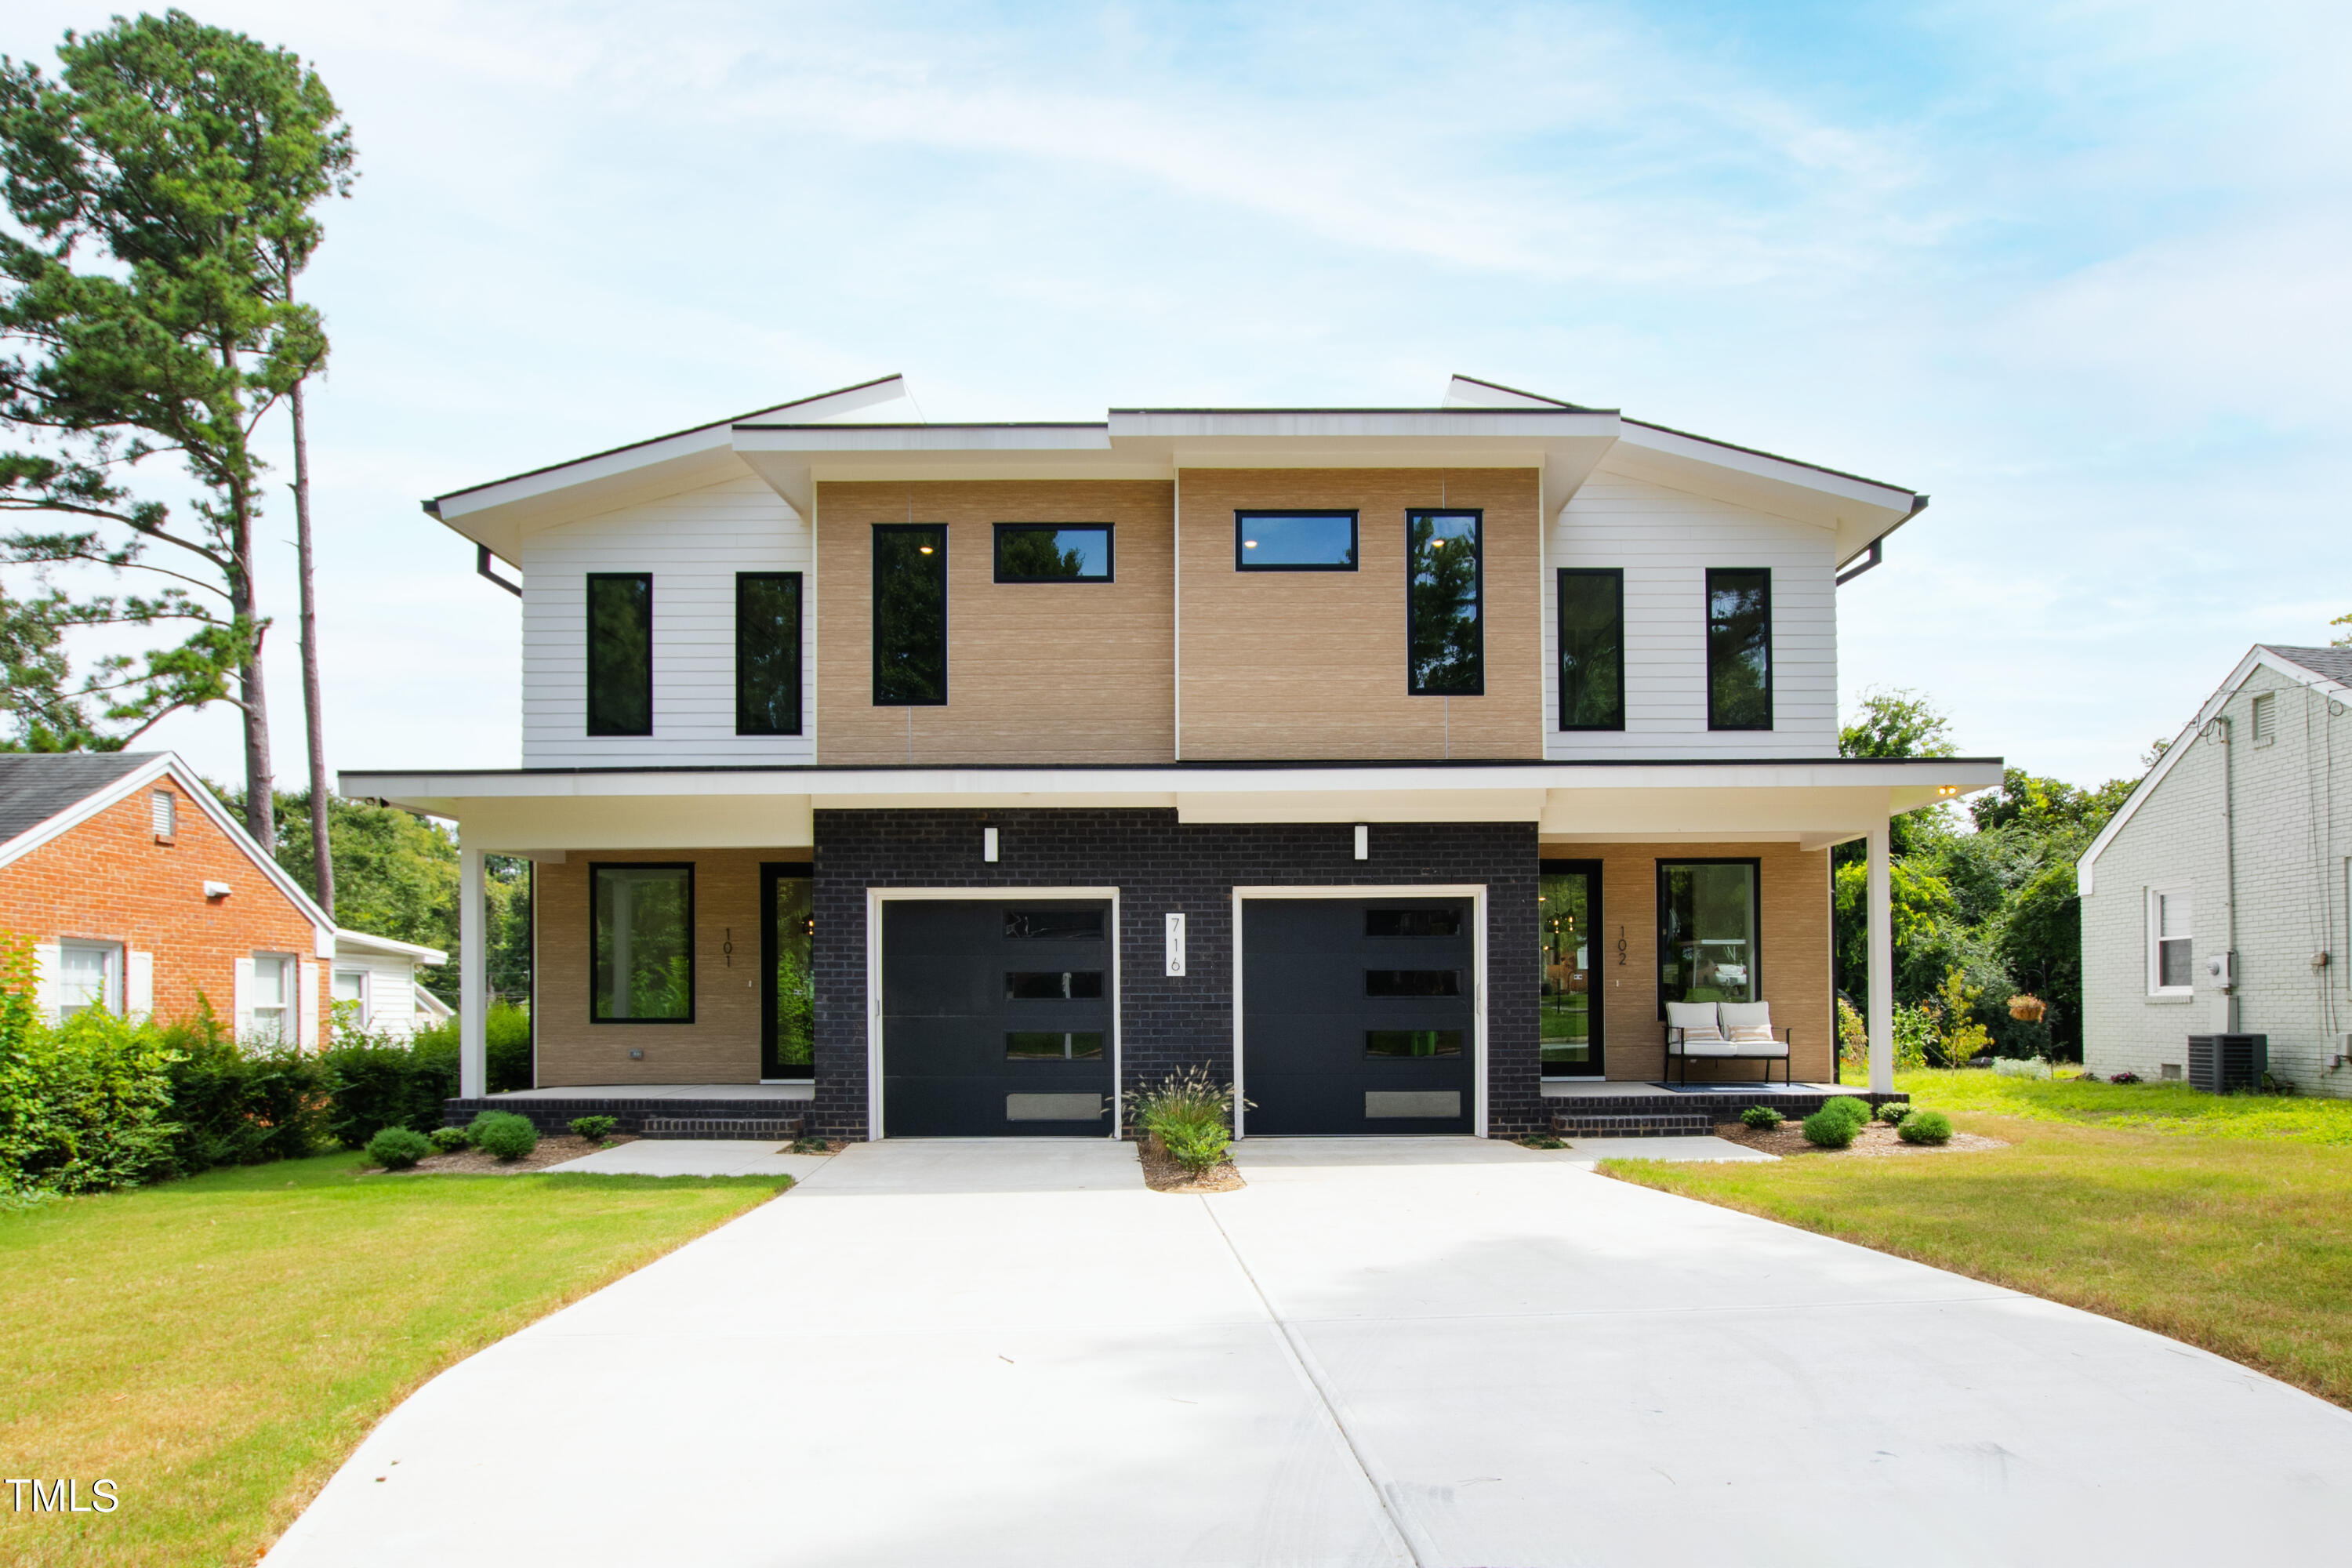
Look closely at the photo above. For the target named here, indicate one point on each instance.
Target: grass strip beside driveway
(2241, 1245)
(216, 1346)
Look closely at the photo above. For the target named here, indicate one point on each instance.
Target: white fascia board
(501, 512)
(144, 777)
(1860, 511)
(2257, 657)
(795, 458)
(362, 942)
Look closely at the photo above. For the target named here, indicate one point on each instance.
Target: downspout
(2228, 968)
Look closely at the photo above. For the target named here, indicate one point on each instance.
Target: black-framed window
(788, 981)
(1591, 648)
(910, 615)
(1569, 918)
(1053, 553)
(1293, 540)
(767, 653)
(1739, 647)
(1710, 930)
(641, 941)
(1444, 604)
(620, 653)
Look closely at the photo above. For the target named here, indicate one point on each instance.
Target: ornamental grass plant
(1190, 1112)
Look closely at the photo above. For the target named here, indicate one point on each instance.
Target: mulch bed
(1161, 1172)
(1878, 1138)
(552, 1150)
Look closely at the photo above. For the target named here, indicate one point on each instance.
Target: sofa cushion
(1696, 1020)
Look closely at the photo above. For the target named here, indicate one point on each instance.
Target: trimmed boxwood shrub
(1831, 1128)
(504, 1134)
(1763, 1118)
(1846, 1105)
(1926, 1127)
(1893, 1112)
(398, 1148)
(450, 1140)
(595, 1129)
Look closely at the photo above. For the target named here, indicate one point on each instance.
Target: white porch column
(1881, 1021)
(473, 984)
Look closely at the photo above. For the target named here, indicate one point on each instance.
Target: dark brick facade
(1162, 867)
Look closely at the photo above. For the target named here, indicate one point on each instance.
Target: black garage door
(996, 1018)
(1358, 1015)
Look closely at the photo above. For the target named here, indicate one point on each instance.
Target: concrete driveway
(1381, 1352)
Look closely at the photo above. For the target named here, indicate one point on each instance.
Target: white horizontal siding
(693, 544)
(1664, 541)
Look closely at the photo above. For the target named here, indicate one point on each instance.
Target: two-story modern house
(1415, 768)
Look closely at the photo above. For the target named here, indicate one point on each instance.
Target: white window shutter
(138, 986)
(308, 1004)
(44, 979)
(244, 1010)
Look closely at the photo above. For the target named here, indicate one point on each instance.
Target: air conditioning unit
(2220, 1063)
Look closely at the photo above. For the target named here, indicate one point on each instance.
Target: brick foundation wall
(1162, 867)
(108, 880)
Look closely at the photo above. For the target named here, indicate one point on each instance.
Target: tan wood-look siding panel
(1795, 957)
(1292, 665)
(1037, 672)
(722, 1044)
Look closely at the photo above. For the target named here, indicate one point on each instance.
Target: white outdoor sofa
(1725, 1032)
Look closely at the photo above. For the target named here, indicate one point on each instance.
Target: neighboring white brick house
(2261, 777)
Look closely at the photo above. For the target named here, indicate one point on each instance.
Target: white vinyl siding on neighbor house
(389, 984)
(694, 544)
(1665, 539)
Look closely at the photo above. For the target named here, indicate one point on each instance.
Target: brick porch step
(1676, 1123)
(760, 1128)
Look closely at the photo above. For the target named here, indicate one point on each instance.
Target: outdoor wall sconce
(216, 889)
(1363, 842)
(988, 845)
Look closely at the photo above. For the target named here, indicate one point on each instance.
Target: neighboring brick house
(2216, 899)
(139, 893)
(1428, 769)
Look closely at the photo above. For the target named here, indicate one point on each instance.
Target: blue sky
(2078, 270)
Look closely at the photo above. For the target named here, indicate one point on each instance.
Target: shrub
(1926, 1127)
(504, 1134)
(374, 1082)
(398, 1148)
(810, 1143)
(1544, 1141)
(1854, 1110)
(1827, 1129)
(595, 1129)
(2119, 1077)
(1197, 1146)
(1763, 1118)
(237, 1105)
(506, 1041)
(2015, 1067)
(83, 1108)
(1187, 1099)
(1893, 1112)
(450, 1140)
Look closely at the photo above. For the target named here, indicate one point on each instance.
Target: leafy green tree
(160, 187)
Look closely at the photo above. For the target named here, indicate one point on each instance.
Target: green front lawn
(2223, 1221)
(216, 1346)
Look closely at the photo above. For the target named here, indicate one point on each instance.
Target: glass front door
(1568, 917)
(787, 937)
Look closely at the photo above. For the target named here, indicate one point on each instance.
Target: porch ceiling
(1811, 803)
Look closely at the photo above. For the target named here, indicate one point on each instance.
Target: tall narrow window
(1445, 649)
(643, 943)
(767, 653)
(1739, 648)
(620, 653)
(910, 615)
(1568, 920)
(2170, 944)
(1591, 648)
(788, 942)
(1707, 920)
(273, 997)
